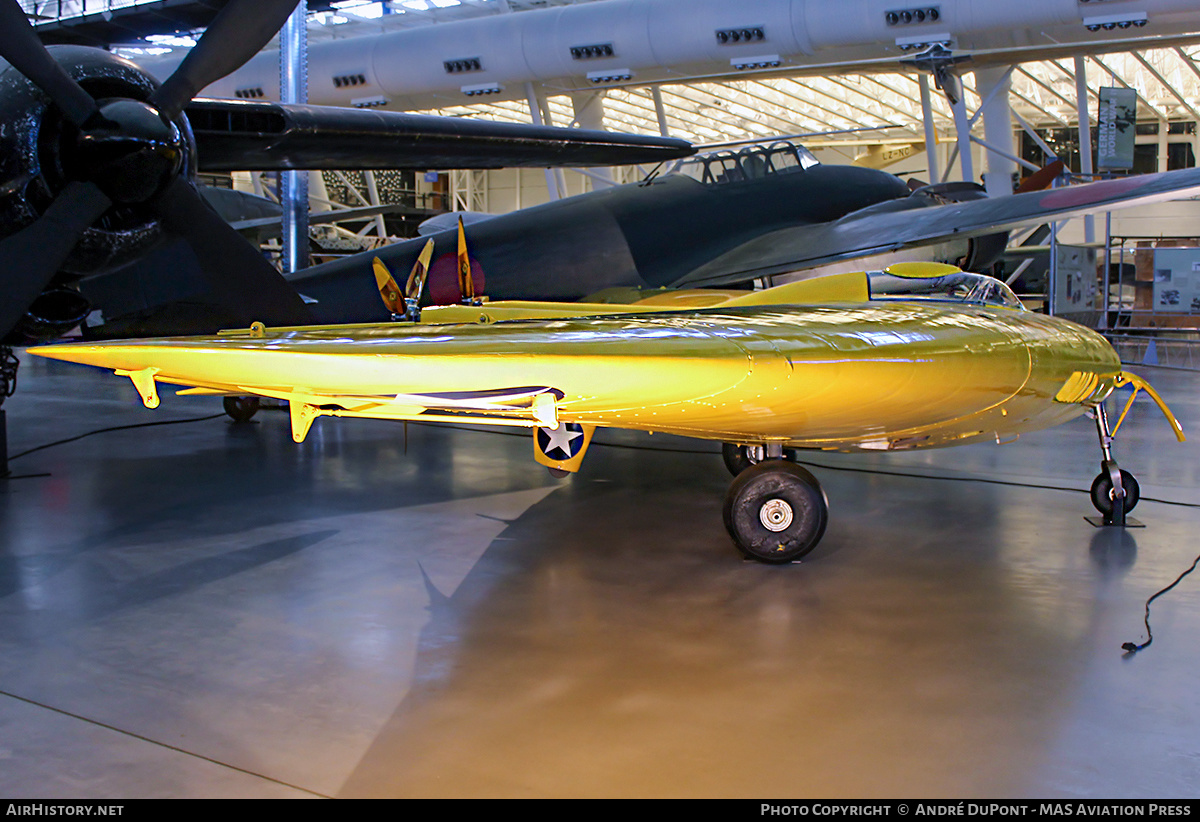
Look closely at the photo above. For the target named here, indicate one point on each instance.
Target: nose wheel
(775, 512)
(1104, 492)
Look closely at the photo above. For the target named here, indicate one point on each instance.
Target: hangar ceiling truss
(1167, 82)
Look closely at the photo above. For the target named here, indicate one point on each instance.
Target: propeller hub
(130, 150)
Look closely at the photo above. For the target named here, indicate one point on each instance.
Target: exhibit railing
(1152, 283)
(1157, 350)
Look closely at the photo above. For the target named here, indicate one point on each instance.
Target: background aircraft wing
(909, 222)
(234, 135)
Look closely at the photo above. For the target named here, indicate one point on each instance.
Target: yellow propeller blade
(389, 291)
(466, 285)
(420, 269)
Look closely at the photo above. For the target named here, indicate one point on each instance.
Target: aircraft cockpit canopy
(959, 287)
(750, 163)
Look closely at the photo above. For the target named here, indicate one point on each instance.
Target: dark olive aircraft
(720, 219)
(98, 202)
(98, 164)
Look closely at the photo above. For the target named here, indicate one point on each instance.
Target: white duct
(654, 41)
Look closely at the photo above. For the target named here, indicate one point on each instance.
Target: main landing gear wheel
(740, 457)
(241, 409)
(1102, 492)
(775, 512)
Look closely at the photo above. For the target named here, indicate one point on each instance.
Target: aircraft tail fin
(1042, 178)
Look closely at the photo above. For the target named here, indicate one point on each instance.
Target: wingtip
(82, 353)
(58, 351)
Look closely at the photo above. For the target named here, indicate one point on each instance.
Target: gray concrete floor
(207, 609)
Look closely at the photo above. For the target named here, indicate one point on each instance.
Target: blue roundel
(561, 443)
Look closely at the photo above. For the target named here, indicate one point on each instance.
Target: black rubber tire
(241, 409)
(1102, 492)
(737, 457)
(779, 490)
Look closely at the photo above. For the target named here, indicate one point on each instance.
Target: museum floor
(206, 609)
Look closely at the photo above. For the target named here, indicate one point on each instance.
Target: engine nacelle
(39, 155)
(55, 312)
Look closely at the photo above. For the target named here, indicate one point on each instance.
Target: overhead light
(592, 51)
(741, 34)
(482, 88)
(610, 75)
(924, 41)
(462, 64)
(906, 17)
(1108, 22)
(760, 62)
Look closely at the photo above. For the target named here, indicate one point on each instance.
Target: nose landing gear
(1115, 491)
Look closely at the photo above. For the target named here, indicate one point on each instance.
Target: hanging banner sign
(1118, 121)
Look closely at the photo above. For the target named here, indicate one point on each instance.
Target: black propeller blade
(34, 254)
(20, 46)
(239, 31)
(131, 154)
(236, 271)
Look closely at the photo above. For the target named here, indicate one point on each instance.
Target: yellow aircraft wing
(846, 376)
(764, 370)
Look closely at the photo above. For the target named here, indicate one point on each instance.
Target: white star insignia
(560, 438)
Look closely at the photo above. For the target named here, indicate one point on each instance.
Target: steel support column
(930, 135)
(589, 113)
(962, 130)
(993, 84)
(293, 88)
(660, 111)
(1084, 130)
(535, 114)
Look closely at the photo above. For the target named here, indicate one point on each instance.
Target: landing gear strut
(1115, 492)
(740, 457)
(8, 385)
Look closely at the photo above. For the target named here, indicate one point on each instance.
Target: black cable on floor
(1131, 648)
(113, 428)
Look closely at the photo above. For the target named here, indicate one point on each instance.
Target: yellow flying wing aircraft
(919, 357)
